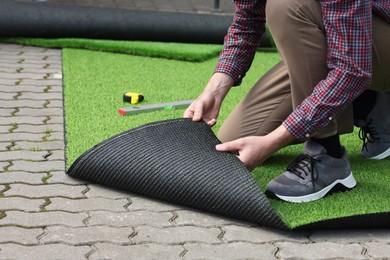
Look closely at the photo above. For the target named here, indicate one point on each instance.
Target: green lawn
(95, 81)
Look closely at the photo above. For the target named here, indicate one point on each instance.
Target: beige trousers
(298, 31)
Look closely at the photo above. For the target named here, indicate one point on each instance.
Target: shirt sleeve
(242, 39)
(348, 26)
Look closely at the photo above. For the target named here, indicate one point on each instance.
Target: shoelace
(368, 134)
(303, 164)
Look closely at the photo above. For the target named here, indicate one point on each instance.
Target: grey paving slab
(87, 235)
(56, 155)
(11, 177)
(238, 250)
(22, 155)
(323, 250)
(98, 191)
(261, 235)
(378, 250)
(24, 128)
(148, 251)
(54, 251)
(46, 190)
(5, 111)
(2, 165)
(12, 88)
(18, 203)
(32, 119)
(25, 236)
(4, 129)
(61, 177)
(42, 166)
(143, 203)
(44, 219)
(201, 219)
(21, 137)
(131, 219)
(176, 235)
(351, 236)
(40, 112)
(37, 146)
(91, 204)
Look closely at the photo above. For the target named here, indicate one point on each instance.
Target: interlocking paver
(261, 235)
(21, 137)
(54, 251)
(324, 250)
(50, 145)
(4, 129)
(40, 96)
(43, 219)
(2, 165)
(17, 203)
(5, 111)
(83, 235)
(56, 155)
(21, 88)
(43, 166)
(202, 219)
(19, 235)
(177, 235)
(22, 155)
(238, 250)
(33, 120)
(149, 204)
(148, 251)
(378, 250)
(61, 177)
(351, 236)
(131, 219)
(89, 204)
(46, 190)
(97, 191)
(21, 177)
(22, 128)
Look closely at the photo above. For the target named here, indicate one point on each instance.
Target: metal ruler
(148, 108)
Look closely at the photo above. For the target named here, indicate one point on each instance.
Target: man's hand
(254, 150)
(208, 104)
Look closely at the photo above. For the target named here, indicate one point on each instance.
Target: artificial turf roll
(176, 161)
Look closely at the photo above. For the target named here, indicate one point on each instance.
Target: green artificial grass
(178, 51)
(95, 81)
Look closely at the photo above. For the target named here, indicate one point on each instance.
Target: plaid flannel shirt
(348, 26)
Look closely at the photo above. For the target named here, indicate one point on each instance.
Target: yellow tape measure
(132, 97)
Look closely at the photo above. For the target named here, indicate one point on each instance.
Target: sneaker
(312, 175)
(375, 129)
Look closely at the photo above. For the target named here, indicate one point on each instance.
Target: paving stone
(83, 235)
(4, 75)
(50, 145)
(61, 177)
(4, 129)
(40, 112)
(55, 251)
(195, 218)
(56, 155)
(176, 235)
(16, 203)
(378, 250)
(89, 204)
(55, 104)
(7, 95)
(2, 165)
(22, 103)
(238, 250)
(56, 136)
(43, 219)
(56, 120)
(43, 166)
(132, 219)
(261, 235)
(148, 204)
(21, 137)
(40, 82)
(98, 191)
(3, 146)
(40, 96)
(5, 111)
(148, 251)
(21, 88)
(19, 235)
(21, 177)
(22, 155)
(46, 190)
(351, 236)
(32, 120)
(39, 128)
(324, 250)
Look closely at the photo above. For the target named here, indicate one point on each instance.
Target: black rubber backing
(176, 161)
(48, 20)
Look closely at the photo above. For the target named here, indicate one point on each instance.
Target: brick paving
(45, 214)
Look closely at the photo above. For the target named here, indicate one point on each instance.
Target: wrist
(219, 84)
(281, 137)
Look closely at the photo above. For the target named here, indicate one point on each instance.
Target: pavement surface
(44, 214)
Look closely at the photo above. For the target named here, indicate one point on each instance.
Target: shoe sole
(348, 183)
(381, 156)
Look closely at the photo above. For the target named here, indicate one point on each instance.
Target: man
(334, 52)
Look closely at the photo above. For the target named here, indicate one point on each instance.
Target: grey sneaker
(312, 175)
(375, 129)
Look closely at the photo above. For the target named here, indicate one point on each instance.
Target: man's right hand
(208, 104)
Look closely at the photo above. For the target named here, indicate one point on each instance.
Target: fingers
(229, 146)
